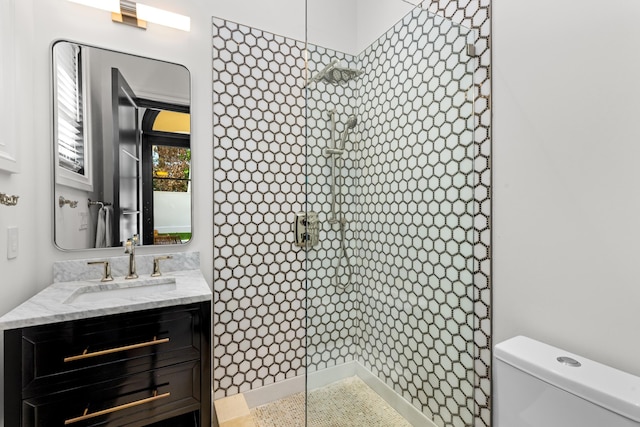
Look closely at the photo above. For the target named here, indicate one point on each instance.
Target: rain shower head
(335, 74)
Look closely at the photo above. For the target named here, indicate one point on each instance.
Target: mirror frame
(79, 183)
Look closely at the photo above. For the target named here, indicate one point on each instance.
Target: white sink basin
(93, 292)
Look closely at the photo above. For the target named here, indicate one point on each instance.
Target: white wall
(374, 18)
(18, 276)
(171, 211)
(566, 144)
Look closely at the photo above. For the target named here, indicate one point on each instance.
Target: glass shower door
(389, 167)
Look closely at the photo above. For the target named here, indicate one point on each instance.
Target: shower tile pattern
(476, 14)
(416, 211)
(259, 180)
(333, 313)
(258, 121)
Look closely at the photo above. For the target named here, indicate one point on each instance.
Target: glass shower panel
(389, 167)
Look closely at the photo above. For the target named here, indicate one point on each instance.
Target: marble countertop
(63, 301)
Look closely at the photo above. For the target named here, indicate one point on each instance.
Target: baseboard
(281, 389)
(397, 402)
(330, 375)
(318, 379)
(276, 391)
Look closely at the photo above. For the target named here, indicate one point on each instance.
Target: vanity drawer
(133, 400)
(71, 354)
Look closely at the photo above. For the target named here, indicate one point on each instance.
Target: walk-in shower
(390, 167)
(373, 123)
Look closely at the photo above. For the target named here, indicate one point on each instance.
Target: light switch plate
(12, 242)
(84, 221)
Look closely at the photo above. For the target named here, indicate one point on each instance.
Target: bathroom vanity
(123, 353)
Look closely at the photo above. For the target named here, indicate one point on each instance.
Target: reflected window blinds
(69, 99)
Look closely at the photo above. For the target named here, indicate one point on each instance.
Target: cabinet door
(139, 399)
(161, 385)
(71, 354)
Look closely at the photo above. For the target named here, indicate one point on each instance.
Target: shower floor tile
(346, 403)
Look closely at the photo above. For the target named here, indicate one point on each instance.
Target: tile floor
(346, 403)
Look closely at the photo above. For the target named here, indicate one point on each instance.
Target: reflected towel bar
(98, 203)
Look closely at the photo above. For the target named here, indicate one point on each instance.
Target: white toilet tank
(537, 385)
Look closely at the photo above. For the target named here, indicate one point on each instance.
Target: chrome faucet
(156, 265)
(106, 270)
(130, 248)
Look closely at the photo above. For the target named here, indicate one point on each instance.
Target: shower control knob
(306, 229)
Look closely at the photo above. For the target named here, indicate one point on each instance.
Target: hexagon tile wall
(415, 212)
(258, 108)
(418, 211)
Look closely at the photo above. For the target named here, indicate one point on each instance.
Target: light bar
(162, 17)
(137, 14)
(108, 5)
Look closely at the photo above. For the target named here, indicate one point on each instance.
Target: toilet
(537, 385)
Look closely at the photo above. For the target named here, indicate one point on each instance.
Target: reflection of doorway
(166, 175)
(126, 177)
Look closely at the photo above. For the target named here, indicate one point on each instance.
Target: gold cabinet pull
(86, 355)
(87, 415)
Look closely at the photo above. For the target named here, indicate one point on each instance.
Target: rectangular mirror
(122, 148)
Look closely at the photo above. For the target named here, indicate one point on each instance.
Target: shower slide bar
(335, 151)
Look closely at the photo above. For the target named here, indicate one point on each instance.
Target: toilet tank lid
(602, 385)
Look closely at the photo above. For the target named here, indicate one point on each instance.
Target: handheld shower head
(352, 121)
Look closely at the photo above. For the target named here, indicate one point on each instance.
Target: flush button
(568, 361)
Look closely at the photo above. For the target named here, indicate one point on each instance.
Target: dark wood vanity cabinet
(146, 368)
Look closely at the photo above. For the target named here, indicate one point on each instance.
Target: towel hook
(8, 200)
(62, 201)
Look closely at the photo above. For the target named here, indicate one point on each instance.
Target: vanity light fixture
(138, 14)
